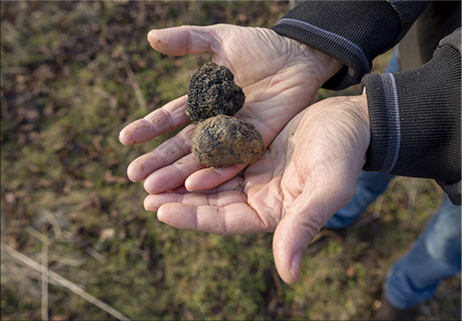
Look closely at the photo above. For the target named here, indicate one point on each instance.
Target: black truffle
(224, 140)
(212, 91)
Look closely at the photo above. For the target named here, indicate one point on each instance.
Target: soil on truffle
(212, 91)
(224, 140)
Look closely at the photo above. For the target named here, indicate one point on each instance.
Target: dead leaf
(10, 198)
(111, 179)
(351, 271)
(107, 234)
(61, 317)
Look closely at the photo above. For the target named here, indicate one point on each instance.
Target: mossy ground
(72, 75)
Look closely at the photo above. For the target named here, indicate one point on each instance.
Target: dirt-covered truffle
(212, 91)
(224, 140)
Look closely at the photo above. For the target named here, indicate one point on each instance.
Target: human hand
(278, 75)
(306, 175)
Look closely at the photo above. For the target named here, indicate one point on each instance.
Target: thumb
(184, 40)
(305, 217)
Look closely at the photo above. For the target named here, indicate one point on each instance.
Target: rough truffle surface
(224, 140)
(212, 91)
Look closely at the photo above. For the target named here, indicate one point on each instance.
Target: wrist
(360, 108)
(321, 67)
(327, 66)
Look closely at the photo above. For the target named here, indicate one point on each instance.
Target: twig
(316, 246)
(366, 220)
(54, 222)
(292, 4)
(63, 281)
(94, 253)
(45, 281)
(19, 276)
(135, 86)
(45, 241)
(32, 231)
(277, 283)
(17, 272)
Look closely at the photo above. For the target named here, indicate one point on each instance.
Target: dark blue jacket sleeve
(353, 32)
(415, 119)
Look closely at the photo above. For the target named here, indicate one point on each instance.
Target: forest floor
(73, 74)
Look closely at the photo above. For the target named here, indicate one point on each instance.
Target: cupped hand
(278, 75)
(307, 174)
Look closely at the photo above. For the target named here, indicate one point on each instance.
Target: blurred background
(73, 74)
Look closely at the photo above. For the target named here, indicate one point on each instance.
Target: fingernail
(187, 185)
(146, 204)
(295, 265)
(151, 34)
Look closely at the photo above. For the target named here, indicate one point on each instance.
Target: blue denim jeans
(435, 256)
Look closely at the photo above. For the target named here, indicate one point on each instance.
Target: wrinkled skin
(278, 75)
(307, 174)
(291, 188)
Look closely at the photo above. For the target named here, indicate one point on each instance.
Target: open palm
(307, 173)
(279, 77)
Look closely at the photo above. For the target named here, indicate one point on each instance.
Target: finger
(235, 184)
(209, 178)
(237, 218)
(309, 212)
(160, 121)
(154, 201)
(165, 154)
(184, 40)
(171, 176)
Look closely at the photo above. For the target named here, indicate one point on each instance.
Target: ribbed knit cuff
(353, 32)
(415, 119)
